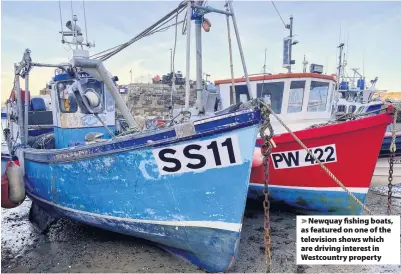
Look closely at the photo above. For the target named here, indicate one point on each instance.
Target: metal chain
(393, 148)
(266, 149)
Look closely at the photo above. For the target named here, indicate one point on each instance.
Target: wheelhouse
(294, 96)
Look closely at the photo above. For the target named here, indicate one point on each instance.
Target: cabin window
(351, 108)
(296, 96)
(272, 93)
(243, 98)
(97, 87)
(241, 93)
(67, 100)
(360, 109)
(341, 108)
(318, 96)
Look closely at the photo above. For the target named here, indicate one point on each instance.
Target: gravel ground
(72, 247)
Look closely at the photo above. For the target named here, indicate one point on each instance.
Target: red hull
(355, 164)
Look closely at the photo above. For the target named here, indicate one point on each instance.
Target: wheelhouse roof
(277, 76)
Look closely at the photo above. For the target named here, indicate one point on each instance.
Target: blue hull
(121, 186)
(316, 200)
(201, 240)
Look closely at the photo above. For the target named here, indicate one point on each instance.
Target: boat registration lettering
(300, 158)
(198, 155)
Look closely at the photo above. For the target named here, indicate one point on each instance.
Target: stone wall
(155, 99)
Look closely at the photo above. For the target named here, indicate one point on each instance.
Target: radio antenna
(61, 22)
(86, 29)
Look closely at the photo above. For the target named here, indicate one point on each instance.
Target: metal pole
(88, 65)
(17, 92)
(26, 107)
(264, 73)
(338, 77)
(240, 51)
(233, 95)
(339, 63)
(187, 72)
(171, 61)
(131, 75)
(290, 54)
(199, 89)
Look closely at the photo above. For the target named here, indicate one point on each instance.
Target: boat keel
(40, 218)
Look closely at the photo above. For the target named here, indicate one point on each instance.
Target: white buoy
(16, 186)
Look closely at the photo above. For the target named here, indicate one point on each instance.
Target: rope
(279, 14)
(317, 160)
(397, 111)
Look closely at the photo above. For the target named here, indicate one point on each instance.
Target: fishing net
(44, 141)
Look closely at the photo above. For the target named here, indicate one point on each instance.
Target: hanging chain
(393, 148)
(266, 150)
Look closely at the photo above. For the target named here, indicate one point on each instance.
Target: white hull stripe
(362, 190)
(207, 224)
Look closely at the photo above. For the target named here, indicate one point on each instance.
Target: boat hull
(4, 160)
(196, 214)
(297, 181)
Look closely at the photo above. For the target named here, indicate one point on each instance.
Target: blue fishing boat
(40, 121)
(183, 186)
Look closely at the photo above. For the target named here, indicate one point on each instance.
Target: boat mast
(341, 46)
(240, 49)
(26, 106)
(198, 39)
(17, 92)
(199, 11)
(233, 94)
(305, 63)
(290, 53)
(188, 57)
(337, 94)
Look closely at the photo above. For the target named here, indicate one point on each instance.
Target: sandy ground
(72, 247)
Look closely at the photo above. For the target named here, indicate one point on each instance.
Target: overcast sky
(370, 29)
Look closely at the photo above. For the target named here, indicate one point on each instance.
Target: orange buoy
(206, 24)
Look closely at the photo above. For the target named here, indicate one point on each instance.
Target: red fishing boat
(302, 100)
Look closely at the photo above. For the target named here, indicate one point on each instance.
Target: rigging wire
(124, 45)
(279, 13)
(150, 30)
(142, 36)
(184, 25)
(153, 32)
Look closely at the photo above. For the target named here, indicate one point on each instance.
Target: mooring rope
(317, 160)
